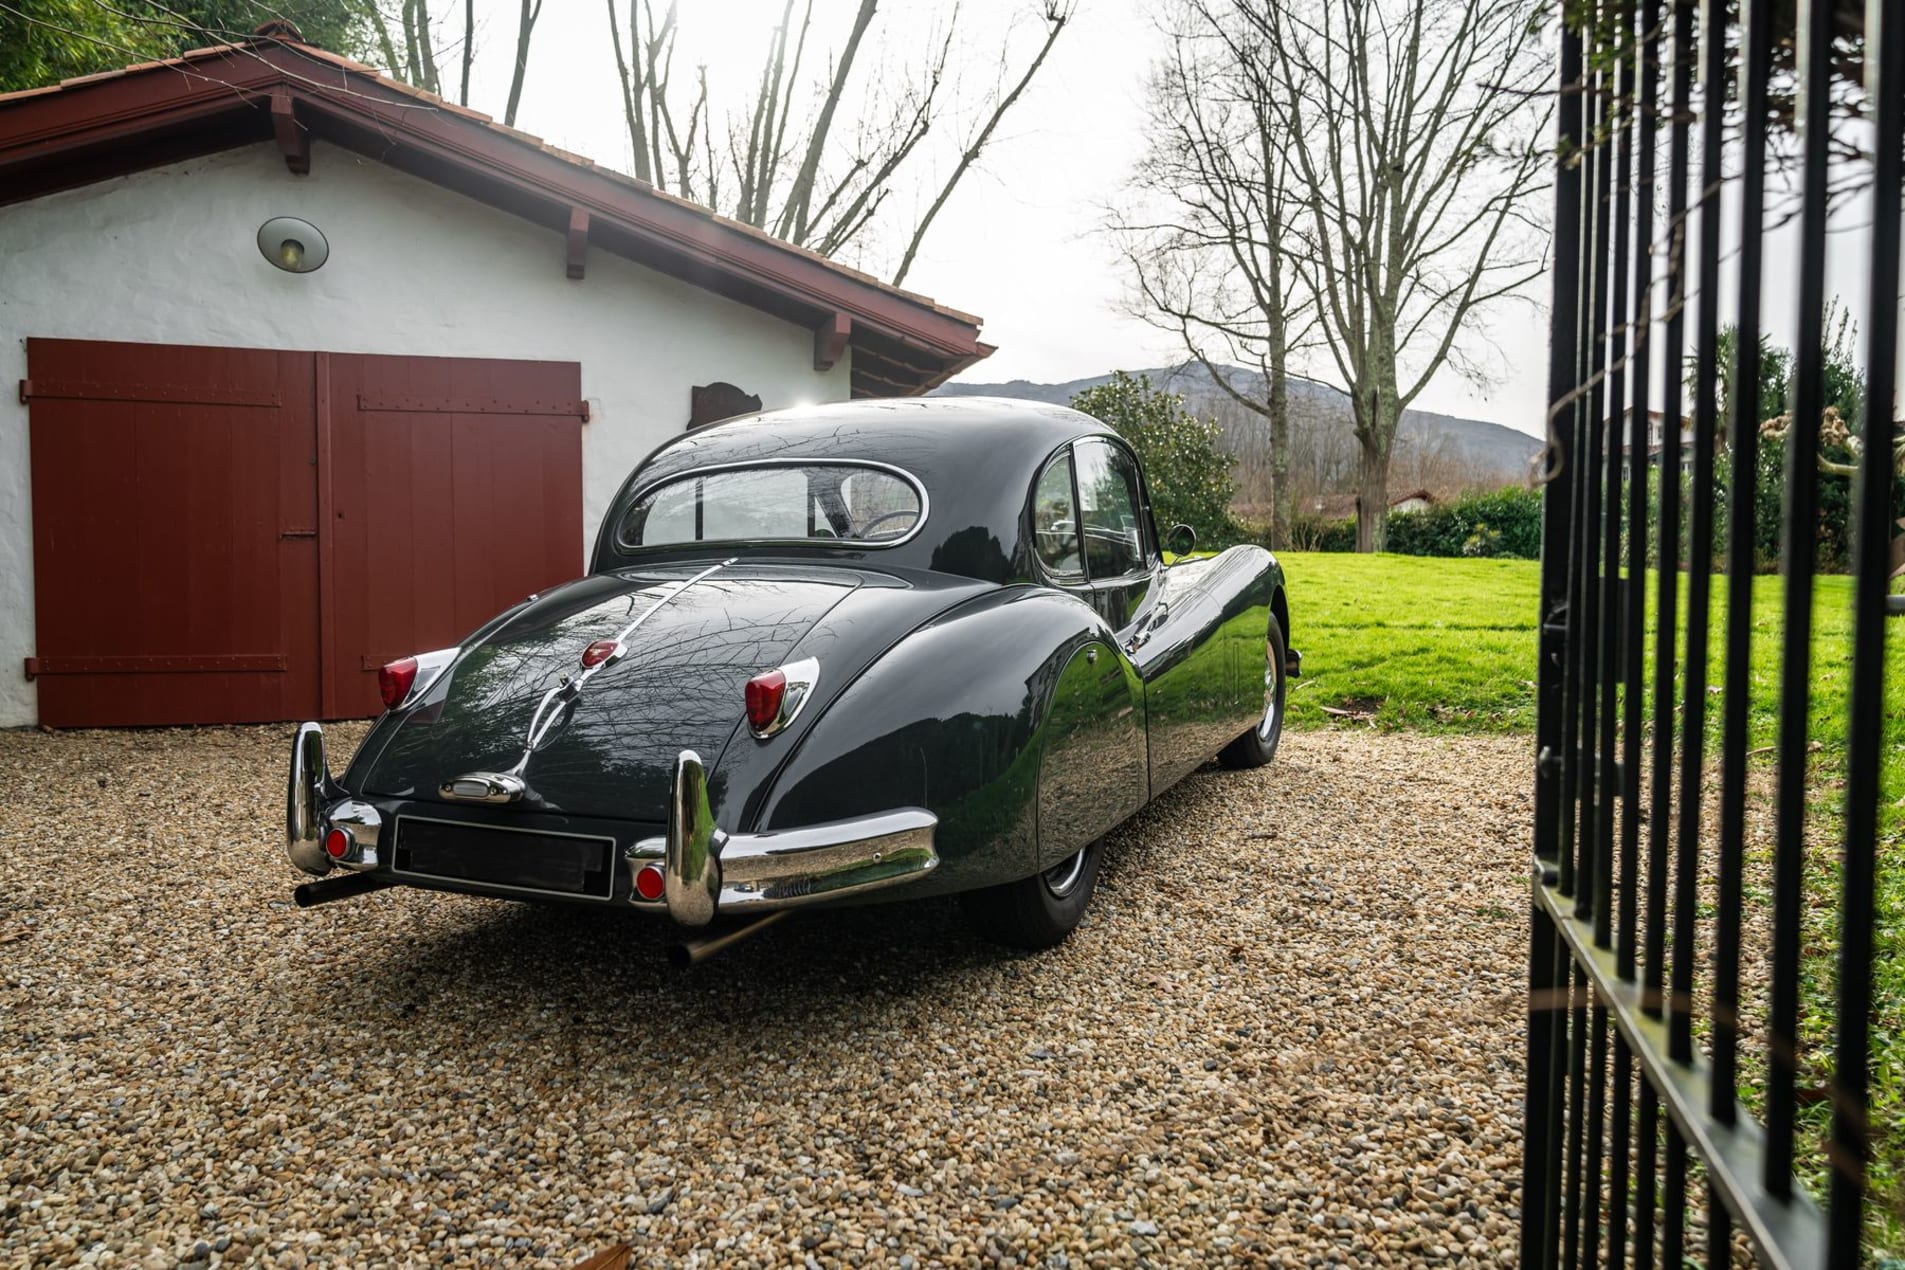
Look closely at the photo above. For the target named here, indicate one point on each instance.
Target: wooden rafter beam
(578, 240)
(294, 140)
(830, 340)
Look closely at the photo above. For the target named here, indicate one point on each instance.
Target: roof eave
(160, 113)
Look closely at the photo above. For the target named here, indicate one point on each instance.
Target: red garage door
(455, 491)
(237, 535)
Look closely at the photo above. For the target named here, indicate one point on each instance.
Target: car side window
(1108, 495)
(1055, 521)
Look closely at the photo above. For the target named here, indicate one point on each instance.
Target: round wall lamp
(293, 245)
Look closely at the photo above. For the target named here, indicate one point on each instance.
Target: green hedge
(1506, 522)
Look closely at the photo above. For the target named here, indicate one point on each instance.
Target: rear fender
(952, 719)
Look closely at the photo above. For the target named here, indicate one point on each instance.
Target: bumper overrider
(705, 872)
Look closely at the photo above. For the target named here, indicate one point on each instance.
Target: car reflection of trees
(994, 806)
(632, 719)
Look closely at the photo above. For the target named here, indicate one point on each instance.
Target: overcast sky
(1018, 243)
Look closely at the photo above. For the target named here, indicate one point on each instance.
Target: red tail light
(598, 652)
(394, 680)
(765, 692)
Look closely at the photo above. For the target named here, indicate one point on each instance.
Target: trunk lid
(611, 753)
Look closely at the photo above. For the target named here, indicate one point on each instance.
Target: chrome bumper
(706, 871)
(314, 805)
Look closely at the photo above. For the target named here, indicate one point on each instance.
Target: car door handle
(1146, 627)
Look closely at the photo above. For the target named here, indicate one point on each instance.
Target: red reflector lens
(394, 680)
(649, 883)
(598, 652)
(337, 844)
(764, 695)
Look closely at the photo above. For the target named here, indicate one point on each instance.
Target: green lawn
(1449, 645)
(1413, 642)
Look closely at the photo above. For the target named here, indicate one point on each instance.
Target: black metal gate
(1698, 843)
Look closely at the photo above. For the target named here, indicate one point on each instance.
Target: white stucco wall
(170, 257)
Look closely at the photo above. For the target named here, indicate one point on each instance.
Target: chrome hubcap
(1272, 676)
(1062, 878)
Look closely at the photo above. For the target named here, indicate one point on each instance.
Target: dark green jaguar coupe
(840, 654)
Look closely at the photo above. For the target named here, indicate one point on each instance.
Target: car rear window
(821, 503)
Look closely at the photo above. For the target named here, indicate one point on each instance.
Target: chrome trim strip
(707, 870)
(570, 689)
(498, 886)
(848, 544)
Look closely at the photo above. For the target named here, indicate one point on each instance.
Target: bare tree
(525, 28)
(1414, 129)
(1400, 138)
(1207, 240)
(786, 164)
(415, 60)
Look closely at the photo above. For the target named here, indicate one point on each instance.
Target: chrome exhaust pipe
(693, 952)
(330, 890)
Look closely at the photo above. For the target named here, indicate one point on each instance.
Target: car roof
(881, 430)
(976, 457)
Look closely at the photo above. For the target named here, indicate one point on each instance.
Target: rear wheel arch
(949, 718)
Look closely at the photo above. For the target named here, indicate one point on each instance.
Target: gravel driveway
(1289, 1032)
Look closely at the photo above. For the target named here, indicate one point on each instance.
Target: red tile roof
(95, 126)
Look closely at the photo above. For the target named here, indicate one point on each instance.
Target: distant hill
(1318, 410)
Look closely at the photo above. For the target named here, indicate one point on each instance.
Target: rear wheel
(1259, 745)
(1039, 911)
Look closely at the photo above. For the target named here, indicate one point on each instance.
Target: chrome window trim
(1146, 556)
(622, 544)
(1052, 576)
(396, 839)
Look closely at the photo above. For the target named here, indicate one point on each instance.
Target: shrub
(1189, 476)
(1506, 522)
(1319, 533)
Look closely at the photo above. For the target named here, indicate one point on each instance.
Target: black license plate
(520, 859)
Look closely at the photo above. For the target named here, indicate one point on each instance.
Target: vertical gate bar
(1543, 1119)
(1596, 1130)
(1742, 427)
(1577, 1113)
(1719, 1230)
(1556, 504)
(1617, 1176)
(1539, 1107)
(1693, 708)
(1646, 1165)
(1557, 1078)
(1666, 608)
(1594, 421)
(1797, 557)
(1646, 45)
(1872, 533)
(1620, 150)
(1582, 325)
(1673, 1226)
